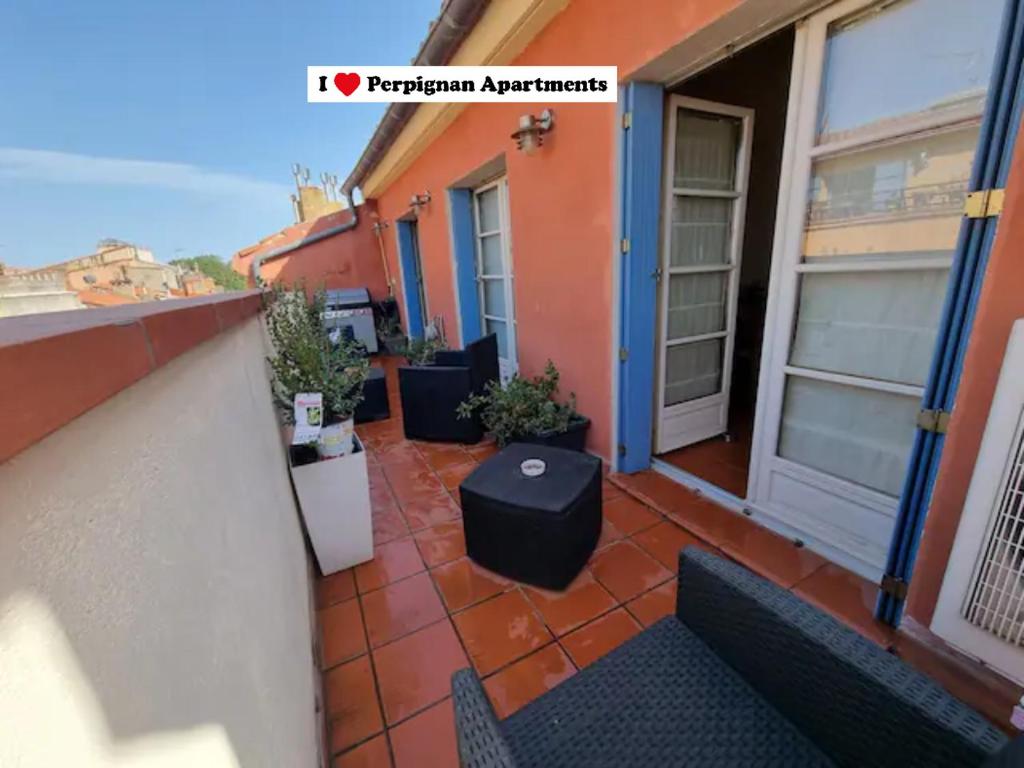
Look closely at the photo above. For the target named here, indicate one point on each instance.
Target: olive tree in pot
(306, 360)
(527, 411)
(334, 491)
(423, 351)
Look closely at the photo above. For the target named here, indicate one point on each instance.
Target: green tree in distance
(214, 267)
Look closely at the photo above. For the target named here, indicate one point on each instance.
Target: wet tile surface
(625, 570)
(415, 671)
(335, 588)
(589, 643)
(522, 682)
(371, 754)
(341, 628)
(464, 583)
(427, 740)
(499, 631)
(655, 604)
(665, 541)
(846, 596)
(400, 608)
(441, 543)
(352, 707)
(585, 599)
(401, 624)
(391, 561)
(629, 516)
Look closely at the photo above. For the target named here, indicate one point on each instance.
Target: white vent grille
(995, 599)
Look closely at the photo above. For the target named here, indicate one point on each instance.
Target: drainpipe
(258, 260)
(378, 228)
(455, 21)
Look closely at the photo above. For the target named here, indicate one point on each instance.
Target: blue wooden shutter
(640, 106)
(460, 206)
(410, 277)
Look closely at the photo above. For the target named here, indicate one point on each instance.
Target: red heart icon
(346, 82)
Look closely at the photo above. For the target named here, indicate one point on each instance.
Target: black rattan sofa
(745, 674)
(432, 393)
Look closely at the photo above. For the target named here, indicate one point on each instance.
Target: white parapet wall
(154, 589)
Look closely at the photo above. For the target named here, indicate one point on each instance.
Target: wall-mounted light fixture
(418, 201)
(530, 135)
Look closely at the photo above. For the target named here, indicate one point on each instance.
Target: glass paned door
(706, 178)
(888, 110)
(494, 270)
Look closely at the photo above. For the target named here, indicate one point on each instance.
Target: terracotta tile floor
(394, 629)
(723, 463)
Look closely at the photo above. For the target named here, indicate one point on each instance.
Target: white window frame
(509, 365)
(790, 493)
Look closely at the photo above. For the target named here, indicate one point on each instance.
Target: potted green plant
(527, 411)
(423, 351)
(306, 360)
(331, 479)
(389, 331)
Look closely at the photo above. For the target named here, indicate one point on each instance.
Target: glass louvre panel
(487, 207)
(494, 298)
(706, 150)
(856, 434)
(491, 259)
(700, 231)
(693, 371)
(906, 59)
(498, 328)
(902, 200)
(880, 325)
(696, 304)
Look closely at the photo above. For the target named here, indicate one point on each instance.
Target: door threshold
(765, 519)
(689, 480)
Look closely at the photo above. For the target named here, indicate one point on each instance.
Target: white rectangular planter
(335, 499)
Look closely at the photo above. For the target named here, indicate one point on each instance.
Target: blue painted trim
(640, 198)
(410, 271)
(991, 168)
(464, 254)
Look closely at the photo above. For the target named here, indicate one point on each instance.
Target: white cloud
(68, 168)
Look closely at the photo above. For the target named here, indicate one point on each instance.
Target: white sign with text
(462, 84)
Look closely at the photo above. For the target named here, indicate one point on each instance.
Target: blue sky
(174, 123)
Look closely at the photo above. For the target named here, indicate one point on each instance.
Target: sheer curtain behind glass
(700, 237)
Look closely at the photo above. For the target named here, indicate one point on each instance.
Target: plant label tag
(309, 417)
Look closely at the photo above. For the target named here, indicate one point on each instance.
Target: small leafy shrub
(423, 351)
(388, 327)
(522, 407)
(305, 359)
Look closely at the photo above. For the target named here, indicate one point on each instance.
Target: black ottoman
(539, 530)
(374, 406)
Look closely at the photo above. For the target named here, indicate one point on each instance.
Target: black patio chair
(431, 394)
(745, 674)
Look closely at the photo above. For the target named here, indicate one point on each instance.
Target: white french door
(494, 271)
(706, 167)
(885, 108)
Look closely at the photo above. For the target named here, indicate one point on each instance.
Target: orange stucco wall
(348, 260)
(561, 200)
(1001, 302)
